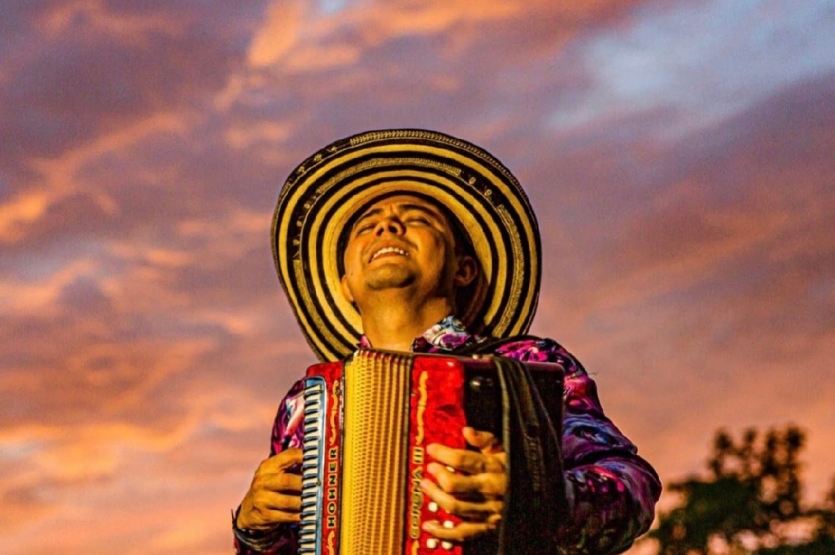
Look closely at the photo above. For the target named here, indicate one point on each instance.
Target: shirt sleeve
(287, 433)
(611, 490)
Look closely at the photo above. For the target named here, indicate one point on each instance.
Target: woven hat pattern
(324, 192)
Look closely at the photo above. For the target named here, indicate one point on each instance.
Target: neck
(393, 323)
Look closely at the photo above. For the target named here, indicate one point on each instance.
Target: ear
(467, 271)
(346, 290)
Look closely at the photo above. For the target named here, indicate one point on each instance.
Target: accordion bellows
(367, 423)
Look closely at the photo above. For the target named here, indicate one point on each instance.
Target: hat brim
(323, 193)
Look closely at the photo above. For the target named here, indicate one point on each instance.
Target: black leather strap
(535, 501)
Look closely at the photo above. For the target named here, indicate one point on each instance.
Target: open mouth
(388, 250)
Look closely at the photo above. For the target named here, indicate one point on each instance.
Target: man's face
(401, 241)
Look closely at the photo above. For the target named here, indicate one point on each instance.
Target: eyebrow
(406, 207)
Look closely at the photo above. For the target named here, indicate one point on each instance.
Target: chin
(389, 278)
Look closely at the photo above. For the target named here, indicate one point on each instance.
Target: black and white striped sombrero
(325, 191)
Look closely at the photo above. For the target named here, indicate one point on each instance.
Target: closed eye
(417, 219)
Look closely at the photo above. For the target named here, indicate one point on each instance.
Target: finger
(281, 482)
(261, 510)
(282, 461)
(271, 501)
(482, 510)
(458, 533)
(482, 483)
(267, 518)
(462, 460)
(485, 442)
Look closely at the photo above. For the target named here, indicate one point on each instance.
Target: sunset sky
(680, 156)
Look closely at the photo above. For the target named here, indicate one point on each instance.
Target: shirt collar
(446, 335)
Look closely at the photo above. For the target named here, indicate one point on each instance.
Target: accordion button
(449, 524)
(446, 545)
(431, 543)
(433, 507)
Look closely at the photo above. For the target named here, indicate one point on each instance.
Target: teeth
(385, 250)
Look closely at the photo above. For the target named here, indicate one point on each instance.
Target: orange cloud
(279, 32)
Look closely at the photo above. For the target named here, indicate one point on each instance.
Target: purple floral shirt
(611, 490)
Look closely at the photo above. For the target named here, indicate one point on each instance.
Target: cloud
(87, 69)
(707, 215)
(277, 34)
(678, 59)
(417, 45)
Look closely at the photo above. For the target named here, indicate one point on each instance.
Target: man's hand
(473, 490)
(275, 493)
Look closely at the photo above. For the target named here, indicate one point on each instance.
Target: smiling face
(403, 243)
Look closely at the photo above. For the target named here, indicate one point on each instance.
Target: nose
(390, 224)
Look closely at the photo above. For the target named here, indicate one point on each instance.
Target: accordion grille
(375, 453)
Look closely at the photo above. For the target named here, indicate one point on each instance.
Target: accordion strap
(535, 502)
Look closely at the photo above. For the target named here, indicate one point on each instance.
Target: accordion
(367, 422)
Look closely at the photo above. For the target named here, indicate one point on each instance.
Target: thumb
(485, 442)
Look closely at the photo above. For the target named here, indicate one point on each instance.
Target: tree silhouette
(750, 504)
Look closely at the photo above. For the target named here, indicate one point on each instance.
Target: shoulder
(538, 349)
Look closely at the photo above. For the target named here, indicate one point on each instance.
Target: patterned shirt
(611, 490)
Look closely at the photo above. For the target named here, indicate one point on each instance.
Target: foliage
(750, 504)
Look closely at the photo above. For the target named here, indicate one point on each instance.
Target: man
(412, 240)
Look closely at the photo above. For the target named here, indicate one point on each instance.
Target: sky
(679, 155)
